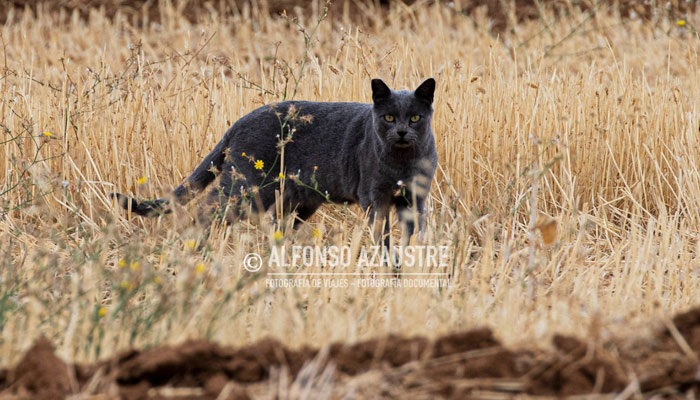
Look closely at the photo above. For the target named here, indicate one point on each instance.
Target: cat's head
(402, 117)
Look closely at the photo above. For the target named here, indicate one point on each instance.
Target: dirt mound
(453, 366)
(497, 10)
(40, 374)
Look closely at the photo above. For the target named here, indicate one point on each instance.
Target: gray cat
(378, 155)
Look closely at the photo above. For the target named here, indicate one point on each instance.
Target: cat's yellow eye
(389, 118)
(415, 118)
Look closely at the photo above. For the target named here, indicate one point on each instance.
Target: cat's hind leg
(301, 202)
(304, 212)
(227, 201)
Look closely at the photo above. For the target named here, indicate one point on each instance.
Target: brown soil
(459, 365)
(526, 10)
(502, 17)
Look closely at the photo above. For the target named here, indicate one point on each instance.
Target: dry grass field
(567, 189)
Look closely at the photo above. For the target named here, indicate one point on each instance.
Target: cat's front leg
(409, 216)
(379, 220)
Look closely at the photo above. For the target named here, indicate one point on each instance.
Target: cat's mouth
(402, 143)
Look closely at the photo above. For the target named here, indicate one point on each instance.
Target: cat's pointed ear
(426, 90)
(380, 90)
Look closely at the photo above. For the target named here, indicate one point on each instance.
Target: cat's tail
(200, 178)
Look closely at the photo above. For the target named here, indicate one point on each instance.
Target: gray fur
(346, 152)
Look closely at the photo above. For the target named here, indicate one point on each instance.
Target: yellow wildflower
(124, 284)
(281, 175)
(135, 266)
(101, 312)
(680, 22)
(199, 268)
(47, 133)
(142, 180)
(278, 235)
(156, 280)
(243, 154)
(190, 244)
(259, 164)
(316, 233)
(122, 263)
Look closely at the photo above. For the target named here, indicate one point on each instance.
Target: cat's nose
(401, 134)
